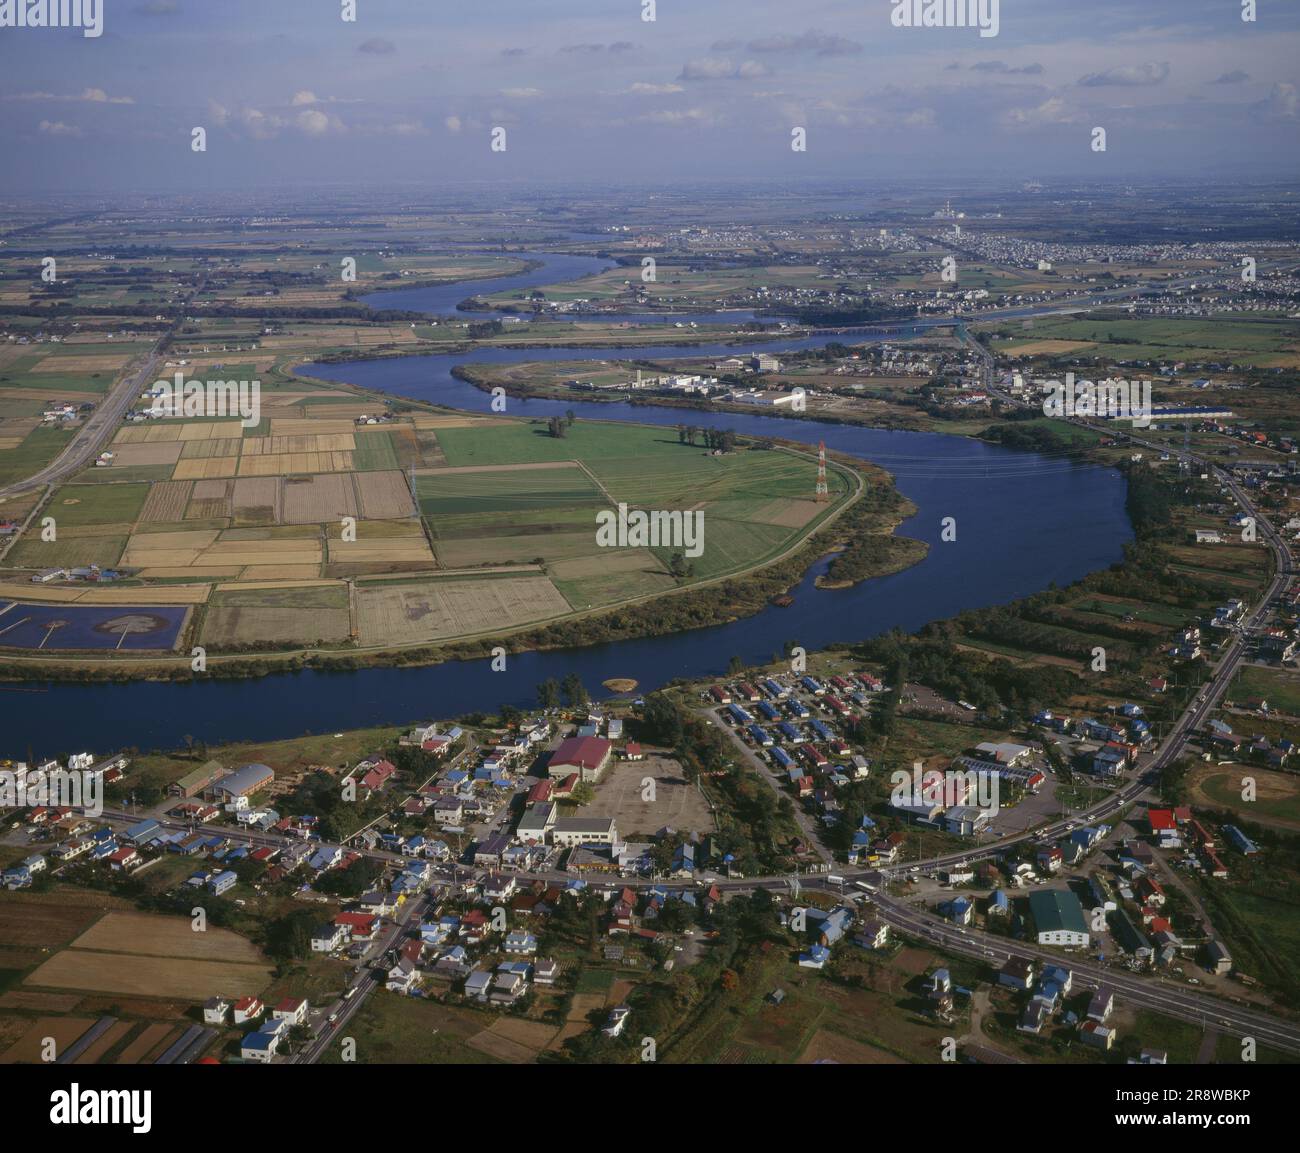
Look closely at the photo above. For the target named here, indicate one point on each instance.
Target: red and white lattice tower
(823, 492)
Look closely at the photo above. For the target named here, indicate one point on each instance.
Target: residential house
(263, 1044)
(248, 1009)
(1018, 973)
(1101, 1005)
(1097, 1035)
(291, 1009)
(328, 937)
(873, 935)
(359, 926)
(478, 985)
(509, 984)
(519, 942)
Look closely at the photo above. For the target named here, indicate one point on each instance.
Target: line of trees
(714, 438)
(570, 691)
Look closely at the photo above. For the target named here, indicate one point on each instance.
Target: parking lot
(676, 803)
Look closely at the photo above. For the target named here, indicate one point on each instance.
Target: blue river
(1024, 522)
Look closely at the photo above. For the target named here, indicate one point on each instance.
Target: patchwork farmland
(317, 531)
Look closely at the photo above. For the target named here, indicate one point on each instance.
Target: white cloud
(640, 88)
(453, 124)
(401, 128)
(1053, 110)
(303, 97)
(259, 125)
(315, 123)
(721, 68)
(521, 93)
(59, 128)
(85, 96)
(822, 43)
(99, 96)
(1127, 76)
(699, 116)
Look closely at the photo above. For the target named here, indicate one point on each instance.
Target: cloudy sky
(290, 94)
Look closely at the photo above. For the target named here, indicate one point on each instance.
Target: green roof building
(1058, 918)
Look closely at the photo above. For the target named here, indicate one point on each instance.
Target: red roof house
(1162, 820)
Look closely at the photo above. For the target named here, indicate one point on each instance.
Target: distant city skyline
(291, 95)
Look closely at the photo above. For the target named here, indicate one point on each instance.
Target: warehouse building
(570, 831)
(243, 782)
(1058, 918)
(586, 756)
(199, 781)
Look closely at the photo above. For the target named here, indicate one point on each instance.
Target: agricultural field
(512, 494)
(1257, 343)
(238, 618)
(391, 1030)
(139, 954)
(398, 613)
(63, 922)
(880, 1021)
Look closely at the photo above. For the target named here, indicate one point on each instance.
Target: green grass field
(391, 1030)
(1153, 614)
(1264, 343)
(1280, 688)
(374, 452)
(318, 597)
(754, 503)
(38, 448)
(66, 552)
(522, 490)
(78, 504)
